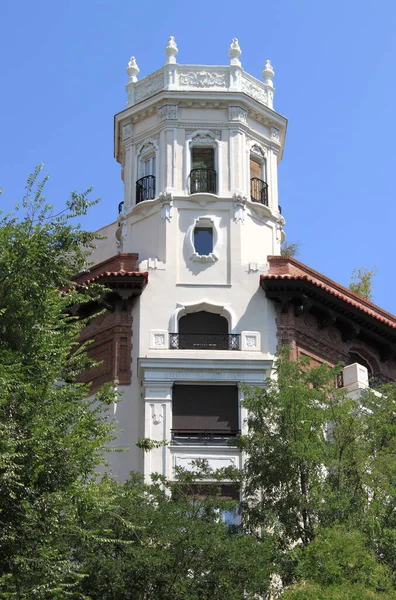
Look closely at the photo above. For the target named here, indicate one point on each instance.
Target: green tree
(51, 438)
(362, 282)
(64, 534)
(317, 459)
(290, 249)
(167, 541)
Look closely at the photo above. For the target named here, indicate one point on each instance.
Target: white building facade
(199, 148)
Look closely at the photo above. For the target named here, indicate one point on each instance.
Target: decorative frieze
(254, 90)
(202, 79)
(149, 86)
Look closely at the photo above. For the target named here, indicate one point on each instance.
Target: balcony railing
(203, 181)
(145, 188)
(204, 341)
(203, 437)
(259, 191)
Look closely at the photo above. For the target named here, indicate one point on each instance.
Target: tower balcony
(145, 188)
(259, 191)
(203, 181)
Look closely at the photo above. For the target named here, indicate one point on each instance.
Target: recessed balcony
(259, 191)
(145, 188)
(204, 341)
(203, 181)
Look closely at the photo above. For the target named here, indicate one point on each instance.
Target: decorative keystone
(268, 73)
(235, 52)
(171, 51)
(132, 70)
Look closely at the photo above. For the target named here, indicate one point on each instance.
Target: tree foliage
(318, 461)
(290, 249)
(63, 533)
(50, 438)
(171, 543)
(362, 282)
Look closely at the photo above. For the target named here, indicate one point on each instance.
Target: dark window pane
(203, 322)
(205, 408)
(203, 158)
(203, 240)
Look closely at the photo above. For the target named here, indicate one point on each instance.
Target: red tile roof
(286, 267)
(123, 265)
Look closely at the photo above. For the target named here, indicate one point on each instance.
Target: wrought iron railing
(203, 436)
(204, 341)
(120, 207)
(203, 180)
(259, 191)
(145, 188)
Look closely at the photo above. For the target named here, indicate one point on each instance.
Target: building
(200, 297)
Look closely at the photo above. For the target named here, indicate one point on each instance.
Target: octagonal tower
(199, 148)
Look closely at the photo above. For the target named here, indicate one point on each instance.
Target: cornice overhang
(200, 98)
(302, 295)
(118, 273)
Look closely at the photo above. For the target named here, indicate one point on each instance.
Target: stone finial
(171, 50)
(132, 69)
(235, 52)
(268, 73)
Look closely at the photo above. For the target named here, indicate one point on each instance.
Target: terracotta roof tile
(289, 268)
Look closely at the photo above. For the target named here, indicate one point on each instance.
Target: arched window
(204, 331)
(258, 176)
(203, 158)
(147, 172)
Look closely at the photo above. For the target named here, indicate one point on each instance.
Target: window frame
(204, 222)
(202, 139)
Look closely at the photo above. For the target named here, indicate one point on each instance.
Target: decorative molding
(169, 111)
(168, 370)
(157, 417)
(250, 341)
(149, 146)
(237, 113)
(275, 135)
(214, 462)
(239, 207)
(149, 86)
(203, 136)
(255, 91)
(204, 221)
(159, 339)
(127, 131)
(202, 79)
(258, 150)
(202, 305)
(166, 206)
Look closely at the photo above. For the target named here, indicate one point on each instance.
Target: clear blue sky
(62, 69)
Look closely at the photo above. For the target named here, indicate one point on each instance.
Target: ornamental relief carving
(201, 136)
(202, 79)
(127, 131)
(202, 139)
(237, 113)
(168, 111)
(149, 86)
(254, 91)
